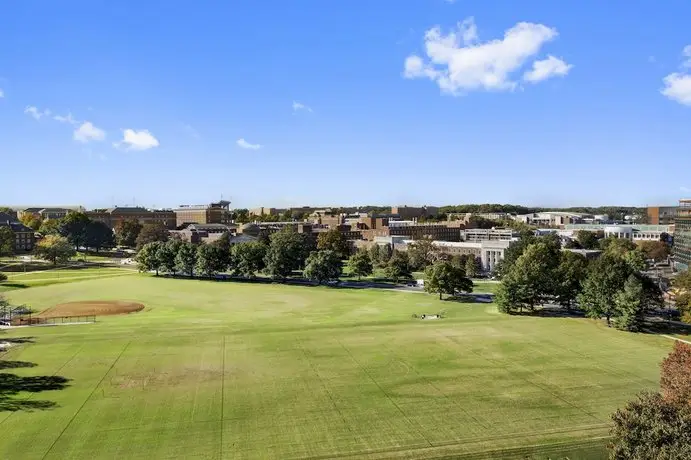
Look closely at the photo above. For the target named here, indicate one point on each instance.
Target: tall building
(682, 235)
(412, 212)
(212, 213)
(662, 215)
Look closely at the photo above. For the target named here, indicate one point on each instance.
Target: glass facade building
(682, 236)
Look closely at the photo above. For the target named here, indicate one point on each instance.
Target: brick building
(213, 213)
(113, 216)
(24, 239)
(438, 232)
(412, 212)
(662, 215)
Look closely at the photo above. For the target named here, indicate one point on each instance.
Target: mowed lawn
(231, 370)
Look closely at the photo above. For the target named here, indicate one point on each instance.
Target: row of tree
(535, 271)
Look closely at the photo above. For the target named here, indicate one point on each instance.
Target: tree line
(535, 271)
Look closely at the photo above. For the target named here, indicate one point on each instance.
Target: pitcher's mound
(92, 307)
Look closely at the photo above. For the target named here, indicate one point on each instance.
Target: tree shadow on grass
(11, 385)
(470, 298)
(667, 327)
(18, 339)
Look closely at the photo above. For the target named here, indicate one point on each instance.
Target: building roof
(211, 227)
(16, 227)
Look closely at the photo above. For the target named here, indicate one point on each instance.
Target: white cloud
(88, 132)
(299, 106)
(678, 87)
(2, 93)
(66, 119)
(686, 52)
(547, 68)
(246, 145)
(35, 112)
(137, 140)
(458, 65)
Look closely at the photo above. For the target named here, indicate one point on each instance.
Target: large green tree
(55, 248)
(374, 254)
(168, 254)
(31, 221)
(149, 257)
(423, 253)
(186, 258)
(73, 227)
(211, 259)
(152, 231)
(98, 236)
(322, 266)
(127, 231)
(606, 276)
(570, 275)
(587, 239)
(443, 277)
(248, 258)
(531, 280)
(360, 264)
(398, 267)
(650, 427)
(472, 266)
(286, 253)
(50, 227)
(655, 250)
(629, 305)
(333, 240)
(6, 241)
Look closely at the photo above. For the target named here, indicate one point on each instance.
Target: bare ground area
(92, 307)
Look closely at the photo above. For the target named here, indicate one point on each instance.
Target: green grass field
(231, 370)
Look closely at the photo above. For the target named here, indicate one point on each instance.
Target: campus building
(682, 236)
(637, 233)
(45, 213)
(114, 216)
(550, 218)
(24, 239)
(662, 215)
(412, 212)
(213, 213)
(490, 234)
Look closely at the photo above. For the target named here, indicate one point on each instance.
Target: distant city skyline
(345, 103)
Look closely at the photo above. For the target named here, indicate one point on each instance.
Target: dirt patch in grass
(92, 307)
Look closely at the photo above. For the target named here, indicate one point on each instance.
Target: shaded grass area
(238, 370)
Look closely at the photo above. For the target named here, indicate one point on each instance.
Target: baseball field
(227, 370)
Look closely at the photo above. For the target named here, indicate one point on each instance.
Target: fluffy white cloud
(246, 145)
(88, 132)
(66, 119)
(457, 64)
(137, 140)
(35, 112)
(677, 87)
(547, 68)
(300, 106)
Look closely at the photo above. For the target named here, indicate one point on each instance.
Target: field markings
(105, 374)
(364, 370)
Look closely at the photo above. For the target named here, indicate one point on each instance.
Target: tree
(55, 248)
(445, 278)
(73, 227)
(6, 241)
(635, 259)
(617, 246)
(333, 240)
(629, 306)
(152, 231)
(513, 252)
(31, 221)
(127, 231)
(286, 253)
(531, 279)
(572, 270)
(398, 267)
(168, 254)
(211, 259)
(675, 378)
(360, 264)
(682, 296)
(50, 227)
(587, 240)
(322, 266)
(651, 428)
(186, 258)
(374, 254)
(606, 276)
(423, 253)
(385, 253)
(3, 277)
(655, 250)
(98, 235)
(248, 258)
(149, 257)
(472, 266)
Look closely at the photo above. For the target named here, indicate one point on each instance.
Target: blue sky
(280, 103)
